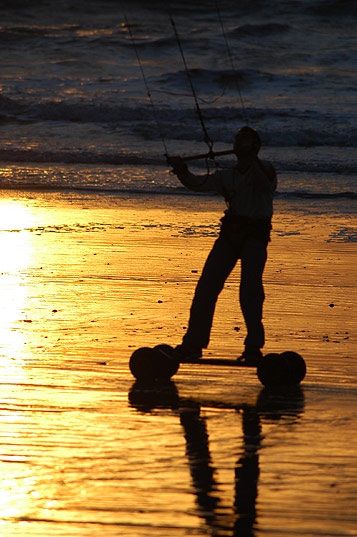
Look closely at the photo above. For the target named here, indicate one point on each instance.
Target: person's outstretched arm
(197, 183)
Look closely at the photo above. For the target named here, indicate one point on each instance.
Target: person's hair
(256, 137)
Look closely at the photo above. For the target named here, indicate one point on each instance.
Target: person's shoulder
(268, 168)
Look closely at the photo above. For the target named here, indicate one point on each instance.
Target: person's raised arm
(197, 183)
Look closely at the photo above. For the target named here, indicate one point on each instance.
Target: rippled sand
(85, 279)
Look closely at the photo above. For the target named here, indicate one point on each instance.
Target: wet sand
(85, 279)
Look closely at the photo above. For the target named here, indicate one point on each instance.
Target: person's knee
(251, 295)
(209, 287)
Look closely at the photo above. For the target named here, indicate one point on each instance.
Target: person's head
(247, 142)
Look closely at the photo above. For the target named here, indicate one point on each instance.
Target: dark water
(72, 90)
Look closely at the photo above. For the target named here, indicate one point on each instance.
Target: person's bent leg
(218, 266)
(253, 255)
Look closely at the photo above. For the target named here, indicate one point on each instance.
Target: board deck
(217, 361)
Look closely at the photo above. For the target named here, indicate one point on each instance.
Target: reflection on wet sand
(84, 280)
(241, 519)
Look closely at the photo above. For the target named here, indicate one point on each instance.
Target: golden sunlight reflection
(13, 497)
(17, 485)
(84, 449)
(14, 216)
(16, 257)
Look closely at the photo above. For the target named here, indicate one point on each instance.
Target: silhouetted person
(248, 189)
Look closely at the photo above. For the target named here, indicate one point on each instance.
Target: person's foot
(251, 356)
(184, 353)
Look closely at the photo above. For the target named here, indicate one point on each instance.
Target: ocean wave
(303, 194)
(9, 33)
(208, 81)
(147, 42)
(75, 157)
(278, 127)
(61, 187)
(341, 8)
(24, 34)
(256, 30)
(118, 158)
(159, 190)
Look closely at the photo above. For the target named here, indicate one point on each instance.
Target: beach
(101, 248)
(86, 279)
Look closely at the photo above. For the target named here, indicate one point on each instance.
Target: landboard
(273, 370)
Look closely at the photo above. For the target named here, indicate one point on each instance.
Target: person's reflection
(199, 458)
(241, 519)
(247, 474)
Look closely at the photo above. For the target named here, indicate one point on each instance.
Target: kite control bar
(211, 154)
(177, 166)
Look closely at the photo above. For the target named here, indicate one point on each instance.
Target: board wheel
(166, 361)
(296, 366)
(285, 369)
(147, 364)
